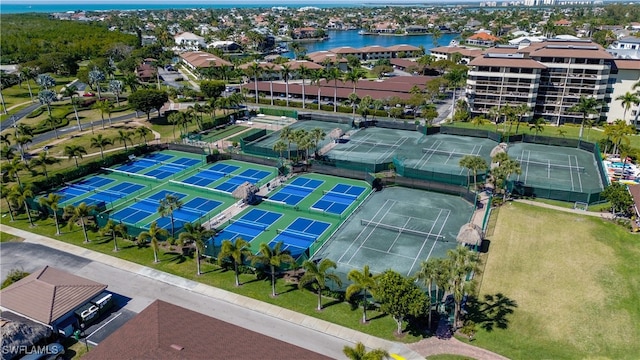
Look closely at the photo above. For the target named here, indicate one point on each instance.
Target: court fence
(279, 112)
(186, 148)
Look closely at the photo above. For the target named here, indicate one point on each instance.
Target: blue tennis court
(207, 176)
(163, 193)
(112, 194)
(185, 162)
(144, 163)
(143, 208)
(293, 193)
(252, 176)
(299, 235)
(165, 171)
(248, 226)
(158, 157)
(338, 199)
(82, 187)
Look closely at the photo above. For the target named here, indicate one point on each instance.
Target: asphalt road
(140, 291)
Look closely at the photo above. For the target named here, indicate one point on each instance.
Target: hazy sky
(225, 2)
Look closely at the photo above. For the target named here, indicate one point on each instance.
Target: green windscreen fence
(279, 112)
(447, 176)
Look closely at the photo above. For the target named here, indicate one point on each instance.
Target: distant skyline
(229, 2)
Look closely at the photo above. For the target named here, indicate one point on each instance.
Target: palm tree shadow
(331, 303)
(290, 288)
(178, 257)
(491, 312)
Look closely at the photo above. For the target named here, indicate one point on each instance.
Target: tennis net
(97, 190)
(364, 142)
(212, 174)
(132, 174)
(297, 234)
(298, 187)
(342, 195)
(198, 187)
(443, 152)
(550, 165)
(249, 224)
(400, 229)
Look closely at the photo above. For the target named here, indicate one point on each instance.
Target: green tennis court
(398, 228)
(570, 169)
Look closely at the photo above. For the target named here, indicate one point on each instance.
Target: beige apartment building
(549, 77)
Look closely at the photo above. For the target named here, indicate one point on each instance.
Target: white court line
(103, 325)
(368, 236)
(578, 172)
(365, 228)
(571, 173)
(386, 252)
(436, 241)
(425, 161)
(399, 233)
(427, 239)
(355, 145)
(393, 148)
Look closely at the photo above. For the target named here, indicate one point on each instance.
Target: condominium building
(549, 77)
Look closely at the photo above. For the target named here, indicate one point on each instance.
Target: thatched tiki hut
(470, 234)
(500, 148)
(246, 192)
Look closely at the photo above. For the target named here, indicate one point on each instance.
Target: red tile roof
(166, 331)
(483, 36)
(403, 47)
(201, 59)
(627, 64)
(48, 294)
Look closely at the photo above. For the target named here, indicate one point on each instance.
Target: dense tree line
(37, 38)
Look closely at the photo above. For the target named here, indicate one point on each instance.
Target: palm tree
(237, 251)
(101, 142)
(116, 87)
(538, 126)
(317, 275)
(114, 229)
(354, 99)
(45, 81)
(285, 70)
(473, 163)
(316, 78)
(359, 352)
(354, 76)
(52, 121)
(79, 212)
(502, 173)
(167, 206)
(436, 34)
(19, 195)
(428, 273)
(317, 134)
(274, 257)
(142, 132)
(521, 110)
(628, 99)
(462, 261)
(75, 152)
(362, 281)
(13, 167)
(455, 77)
(303, 72)
(124, 136)
(5, 191)
(255, 70)
(131, 80)
(95, 78)
(103, 107)
(287, 134)
(5, 139)
(74, 103)
(153, 235)
(175, 119)
(46, 97)
(334, 74)
(494, 113)
(43, 160)
(279, 147)
(585, 106)
(27, 73)
(197, 234)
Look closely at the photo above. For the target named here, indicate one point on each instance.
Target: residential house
(167, 331)
(186, 41)
(375, 52)
(446, 53)
(409, 51)
(50, 297)
(344, 51)
(304, 33)
(483, 39)
(147, 71)
(325, 57)
(226, 46)
(196, 60)
(627, 47)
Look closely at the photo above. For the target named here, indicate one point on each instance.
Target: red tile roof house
(482, 39)
(50, 296)
(166, 331)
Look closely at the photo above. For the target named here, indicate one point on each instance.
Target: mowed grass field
(575, 281)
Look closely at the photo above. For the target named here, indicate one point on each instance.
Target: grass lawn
(574, 282)
(85, 140)
(171, 261)
(4, 237)
(449, 357)
(569, 205)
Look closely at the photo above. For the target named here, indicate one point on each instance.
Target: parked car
(52, 351)
(88, 94)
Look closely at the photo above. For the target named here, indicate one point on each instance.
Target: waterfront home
(404, 50)
(446, 53)
(226, 46)
(483, 39)
(375, 52)
(344, 51)
(627, 47)
(326, 58)
(304, 33)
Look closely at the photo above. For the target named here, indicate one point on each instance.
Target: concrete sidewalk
(221, 295)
